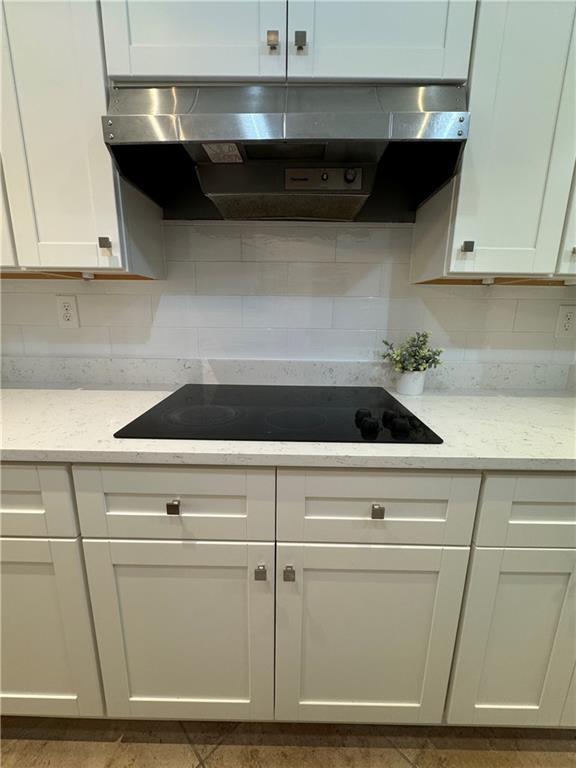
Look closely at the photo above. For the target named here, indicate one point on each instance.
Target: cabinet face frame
(291, 611)
(488, 566)
(37, 501)
(64, 556)
(102, 559)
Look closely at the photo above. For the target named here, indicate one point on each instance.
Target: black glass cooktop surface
(294, 414)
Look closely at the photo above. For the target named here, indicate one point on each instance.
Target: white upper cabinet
(245, 39)
(227, 39)
(382, 39)
(505, 212)
(7, 248)
(59, 177)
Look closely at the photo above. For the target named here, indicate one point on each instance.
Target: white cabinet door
(516, 653)
(365, 633)
(58, 172)
(204, 39)
(518, 161)
(567, 258)
(380, 39)
(184, 628)
(49, 662)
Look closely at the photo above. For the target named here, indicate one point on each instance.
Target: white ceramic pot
(411, 383)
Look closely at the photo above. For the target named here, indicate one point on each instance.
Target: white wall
(283, 292)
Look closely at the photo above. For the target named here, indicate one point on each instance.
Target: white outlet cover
(67, 309)
(566, 323)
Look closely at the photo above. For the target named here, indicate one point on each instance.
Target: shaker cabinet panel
(196, 39)
(176, 502)
(49, 662)
(567, 258)
(184, 629)
(516, 653)
(365, 633)
(518, 161)
(379, 39)
(65, 200)
(376, 507)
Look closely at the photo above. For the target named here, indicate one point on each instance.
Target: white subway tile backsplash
(154, 342)
(11, 340)
(374, 245)
(108, 309)
(286, 344)
(536, 316)
(286, 312)
(509, 347)
(310, 244)
(68, 342)
(279, 292)
(173, 311)
(333, 279)
(29, 309)
(241, 278)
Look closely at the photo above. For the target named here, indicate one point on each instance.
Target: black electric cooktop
(294, 414)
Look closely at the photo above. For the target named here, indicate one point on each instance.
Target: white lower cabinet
(517, 651)
(365, 633)
(185, 629)
(49, 662)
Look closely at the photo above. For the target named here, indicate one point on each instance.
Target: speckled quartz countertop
(480, 431)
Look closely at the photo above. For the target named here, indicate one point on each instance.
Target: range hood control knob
(350, 175)
(324, 176)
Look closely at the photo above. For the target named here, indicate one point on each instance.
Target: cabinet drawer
(36, 501)
(528, 510)
(211, 503)
(337, 506)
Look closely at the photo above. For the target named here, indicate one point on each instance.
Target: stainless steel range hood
(331, 152)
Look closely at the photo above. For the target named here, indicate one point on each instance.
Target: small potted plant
(411, 360)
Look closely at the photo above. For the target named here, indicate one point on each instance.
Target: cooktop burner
(294, 414)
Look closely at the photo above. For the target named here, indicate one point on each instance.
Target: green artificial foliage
(415, 354)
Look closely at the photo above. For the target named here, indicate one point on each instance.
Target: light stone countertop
(497, 431)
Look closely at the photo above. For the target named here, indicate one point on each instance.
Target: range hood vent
(288, 152)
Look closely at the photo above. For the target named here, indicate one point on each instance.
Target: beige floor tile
(265, 756)
(36, 753)
(151, 755)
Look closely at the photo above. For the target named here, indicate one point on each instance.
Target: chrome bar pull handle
(378, 511)
(289, 574)
(260, 573)
(104, 242)
(173, 507)
(272, 39)
(300, 39)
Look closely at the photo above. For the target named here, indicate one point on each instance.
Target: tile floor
(51, 743)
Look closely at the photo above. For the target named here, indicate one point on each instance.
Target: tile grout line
(200, 760)
(402, 755)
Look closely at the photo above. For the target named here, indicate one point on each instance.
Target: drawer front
(528, 510)
(175, 502)
(376, 507)
(37, 501)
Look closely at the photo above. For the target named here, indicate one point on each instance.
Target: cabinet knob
(104, 242)
(467, 246)
(173, 507)
(272, 39)
(378, 511)
(260, 573)
(300, 39)
(289, 574)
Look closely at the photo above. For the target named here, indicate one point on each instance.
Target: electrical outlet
(67, 312)
(566, 323)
